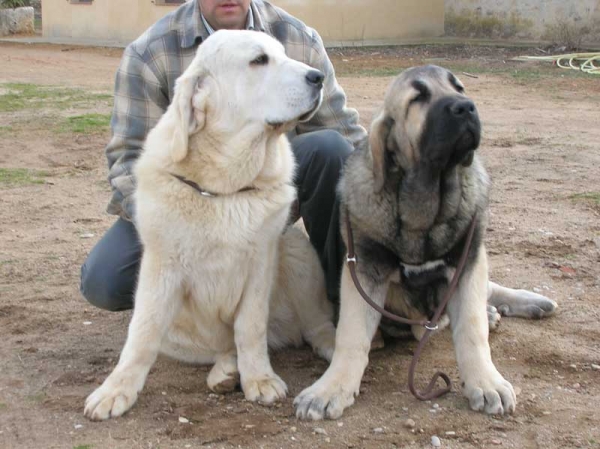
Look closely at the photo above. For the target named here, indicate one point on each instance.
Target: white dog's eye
(261, 60)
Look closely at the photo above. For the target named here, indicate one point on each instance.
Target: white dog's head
(240, 79)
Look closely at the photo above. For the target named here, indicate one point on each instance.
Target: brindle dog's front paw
(491, 394)
(324, 400)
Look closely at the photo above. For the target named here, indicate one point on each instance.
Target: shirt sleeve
(333, 113)
(139, 102)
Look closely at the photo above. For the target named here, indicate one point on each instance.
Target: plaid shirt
(151, 64)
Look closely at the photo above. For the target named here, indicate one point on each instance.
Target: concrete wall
(524, 19)
(16, 21)
(340, 22)
(369, 21)
(108, 21)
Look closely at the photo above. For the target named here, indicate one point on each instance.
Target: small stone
(164, 393)
(250, 426)
(188, 445)
(536, 289)
(595, 367)
(293, 438)
(546, 413)
(573, 366)
(517, 391)
(436, 406)
(328, 440)
(435, 441)
(87, 323)
(88, 235)
(213, 396)
(378, 430)
(577, 386)
(409, 423)
(320, 431)
(451, 433)
(183, 420)
(293, 429)
(78, 426)
(340, 424)
(496, 442)
(404, 409)
(432, 410)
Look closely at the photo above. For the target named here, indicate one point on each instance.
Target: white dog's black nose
(463, 108)
(315, 78)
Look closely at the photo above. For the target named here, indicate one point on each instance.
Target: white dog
(218, 272)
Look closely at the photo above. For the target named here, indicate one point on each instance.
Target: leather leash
(429, 326)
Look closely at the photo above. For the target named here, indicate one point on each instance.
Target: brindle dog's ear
(378, 137)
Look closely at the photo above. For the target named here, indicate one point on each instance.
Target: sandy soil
(542, 147)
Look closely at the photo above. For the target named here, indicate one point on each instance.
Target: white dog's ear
(378, 136)
(189, 103)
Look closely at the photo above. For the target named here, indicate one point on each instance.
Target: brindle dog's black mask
(426, 131)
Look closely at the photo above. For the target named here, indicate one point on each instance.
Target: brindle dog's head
(427, 129)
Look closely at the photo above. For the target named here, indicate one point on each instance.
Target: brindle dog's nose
(315, 78)
(463, 109)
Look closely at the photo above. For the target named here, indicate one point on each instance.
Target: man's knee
(104, 289)
(327, 148)
(108, 276)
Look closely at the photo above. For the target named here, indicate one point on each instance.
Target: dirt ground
(541, 145)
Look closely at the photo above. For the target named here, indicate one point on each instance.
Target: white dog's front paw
(324, 400)
(111, 399)
(266, 389)
(491, 394)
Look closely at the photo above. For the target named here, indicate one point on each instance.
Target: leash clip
(429, 327)
(351, 259)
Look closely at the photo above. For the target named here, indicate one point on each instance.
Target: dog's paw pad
(226, 385)
(266, 390)
(222, 382)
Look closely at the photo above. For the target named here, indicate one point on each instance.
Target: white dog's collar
(203, 192)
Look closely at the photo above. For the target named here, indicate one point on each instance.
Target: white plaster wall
(539, 13)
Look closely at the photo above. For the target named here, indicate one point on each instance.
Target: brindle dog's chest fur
(422, 285)
(422, 262)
